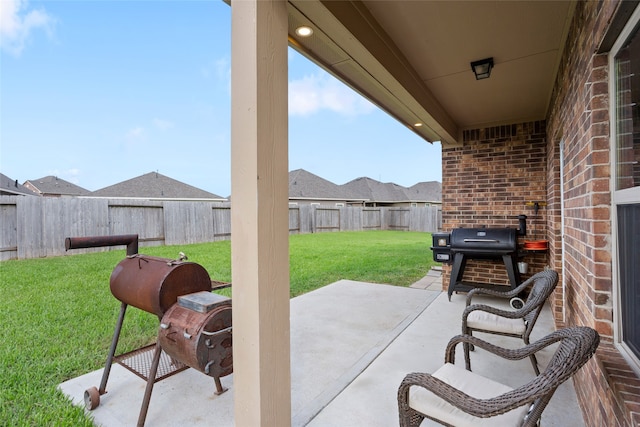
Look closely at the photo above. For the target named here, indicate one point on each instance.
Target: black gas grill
(463, 244)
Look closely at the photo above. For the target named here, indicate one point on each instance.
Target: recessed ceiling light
(304, 31)
(417, 124)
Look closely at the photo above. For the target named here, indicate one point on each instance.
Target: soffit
(411, 58)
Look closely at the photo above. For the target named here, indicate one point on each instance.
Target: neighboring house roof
(429, 191)
(54, 186)
(154, 185)
(305, 185)
(377, 191)
(10, 187)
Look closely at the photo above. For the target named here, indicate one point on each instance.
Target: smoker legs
(510, 262)
(150, 381)
(219, 388)
(92, 395)
(460, 263)
(112, 349)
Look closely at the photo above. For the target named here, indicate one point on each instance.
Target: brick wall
(608, 389)
(490, 177)
(488, 182)
(580, 118)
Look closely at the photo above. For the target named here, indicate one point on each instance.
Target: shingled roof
(428, 191)
(373, 190)
(305, 185)
(54, 186)
(154, 185)
(10, 187)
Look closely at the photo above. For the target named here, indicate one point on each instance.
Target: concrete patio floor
(351, 345)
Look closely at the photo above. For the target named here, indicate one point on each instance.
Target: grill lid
(484, 240)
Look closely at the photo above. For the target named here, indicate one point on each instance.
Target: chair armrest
(505, 353)
(471, 405)
(492, 292)
(580, 345)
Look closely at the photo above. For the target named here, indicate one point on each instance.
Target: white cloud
(322, 92)
(136, 134)
(17, 23)
(223, 69)
(162, 124)
(220, 70)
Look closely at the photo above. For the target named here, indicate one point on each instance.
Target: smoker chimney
(522, 225)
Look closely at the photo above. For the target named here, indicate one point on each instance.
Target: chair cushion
(472, 384)
(479, 319)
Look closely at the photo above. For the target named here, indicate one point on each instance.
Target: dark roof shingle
(11, 187)
(430, 191)
(154, 185)
(52, 185)
(305, 185)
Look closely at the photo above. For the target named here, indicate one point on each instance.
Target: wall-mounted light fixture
(482, 68)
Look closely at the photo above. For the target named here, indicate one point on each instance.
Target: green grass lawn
(58, 314)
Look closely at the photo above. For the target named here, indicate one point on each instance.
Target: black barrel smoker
(195, 324)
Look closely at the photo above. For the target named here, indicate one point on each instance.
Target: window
(629, 274)
(627, 79)
(625, 113)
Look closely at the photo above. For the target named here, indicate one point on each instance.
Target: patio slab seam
(310, 411)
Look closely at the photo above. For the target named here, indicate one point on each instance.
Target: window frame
(619, 197)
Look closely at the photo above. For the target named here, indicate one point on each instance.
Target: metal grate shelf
(139, 362)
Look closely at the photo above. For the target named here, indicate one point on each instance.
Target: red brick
(604, 314)
(515, 164)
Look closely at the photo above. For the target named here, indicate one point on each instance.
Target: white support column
(259, 214)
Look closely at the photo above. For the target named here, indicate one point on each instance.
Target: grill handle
(131, 240)
(481, 241)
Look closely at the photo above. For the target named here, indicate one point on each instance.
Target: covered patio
(351, 345)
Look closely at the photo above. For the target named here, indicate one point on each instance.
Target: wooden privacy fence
(33, 227)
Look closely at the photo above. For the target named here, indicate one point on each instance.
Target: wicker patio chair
(457, 397)
(512, 323)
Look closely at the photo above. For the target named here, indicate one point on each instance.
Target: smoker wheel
(91, 398)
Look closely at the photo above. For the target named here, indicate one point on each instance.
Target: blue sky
(97, 92)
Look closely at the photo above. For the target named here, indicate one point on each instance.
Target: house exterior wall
(488, 181)
(608, 389)
(496, 170)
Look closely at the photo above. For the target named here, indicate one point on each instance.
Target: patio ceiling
(412, 58)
